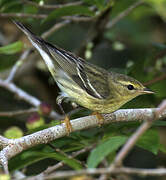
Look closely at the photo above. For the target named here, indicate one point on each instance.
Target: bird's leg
(99, 117)
(59, 100)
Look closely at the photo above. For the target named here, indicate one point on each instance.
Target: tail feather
(41, 46)
(36, 41)
(23, 28)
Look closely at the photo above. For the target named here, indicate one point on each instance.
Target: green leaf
(23, 160)
(30, 157)
(11, 6)
(60, 157)
(159, 123)
(68, 11)
(149, 141)
(7, 61)
(105, 148)
(159, 87)
(2, 3)
(30, 9)
(159, 6)
(12, 48)
(102, 4)
(162, 148)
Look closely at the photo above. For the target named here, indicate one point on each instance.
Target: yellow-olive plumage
(84, 83)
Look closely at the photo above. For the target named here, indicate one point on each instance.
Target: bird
(84, 83)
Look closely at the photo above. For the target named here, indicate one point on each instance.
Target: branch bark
(13, 147)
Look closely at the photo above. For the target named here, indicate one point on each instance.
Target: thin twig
(123, 14)
(79, 18)
(55, 28)
(18, 113)
(20, 61)
(155, 80)
(65, 154)
(74, 154)
(23, 15)
(119, 170)
(53, 6)
(43, 16)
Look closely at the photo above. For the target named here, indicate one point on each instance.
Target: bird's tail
(23, 28)
(32, 37)
(42, 47)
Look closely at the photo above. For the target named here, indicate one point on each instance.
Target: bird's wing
(89, 77)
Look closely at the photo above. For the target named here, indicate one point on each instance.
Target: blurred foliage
(68, 11)
(13, 133)
(136, 46)
(12, 48)
(4, 177)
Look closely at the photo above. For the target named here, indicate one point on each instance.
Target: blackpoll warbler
(84, 83)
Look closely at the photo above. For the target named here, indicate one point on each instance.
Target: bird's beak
(148, 91)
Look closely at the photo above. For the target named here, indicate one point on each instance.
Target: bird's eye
(130, 87)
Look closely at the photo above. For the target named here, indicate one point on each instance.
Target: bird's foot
(68, 125)
(99, 117)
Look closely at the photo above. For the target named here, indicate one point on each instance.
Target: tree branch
(20, 61)
(19, 112)
(47, 135)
